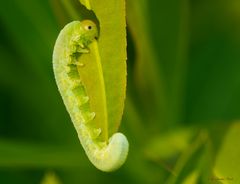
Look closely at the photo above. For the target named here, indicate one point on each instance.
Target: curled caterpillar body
(72, 43)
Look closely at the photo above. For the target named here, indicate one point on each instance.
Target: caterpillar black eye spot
(89, 27)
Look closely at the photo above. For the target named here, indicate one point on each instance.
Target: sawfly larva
(74, 41)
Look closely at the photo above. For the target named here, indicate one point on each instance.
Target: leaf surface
(112, 51)
(227, 165)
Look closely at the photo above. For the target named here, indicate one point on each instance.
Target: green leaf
(14, 154)
(50, 178)
(189, 159)
(227, 166)
(112, 50)
(192, 178)
(169, 144)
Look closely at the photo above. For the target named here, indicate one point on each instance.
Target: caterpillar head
(89, 30)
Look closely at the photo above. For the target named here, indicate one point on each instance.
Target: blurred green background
(182, 103)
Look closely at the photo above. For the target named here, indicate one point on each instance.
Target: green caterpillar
(72, 44)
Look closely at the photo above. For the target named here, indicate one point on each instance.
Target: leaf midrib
(103, 89)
